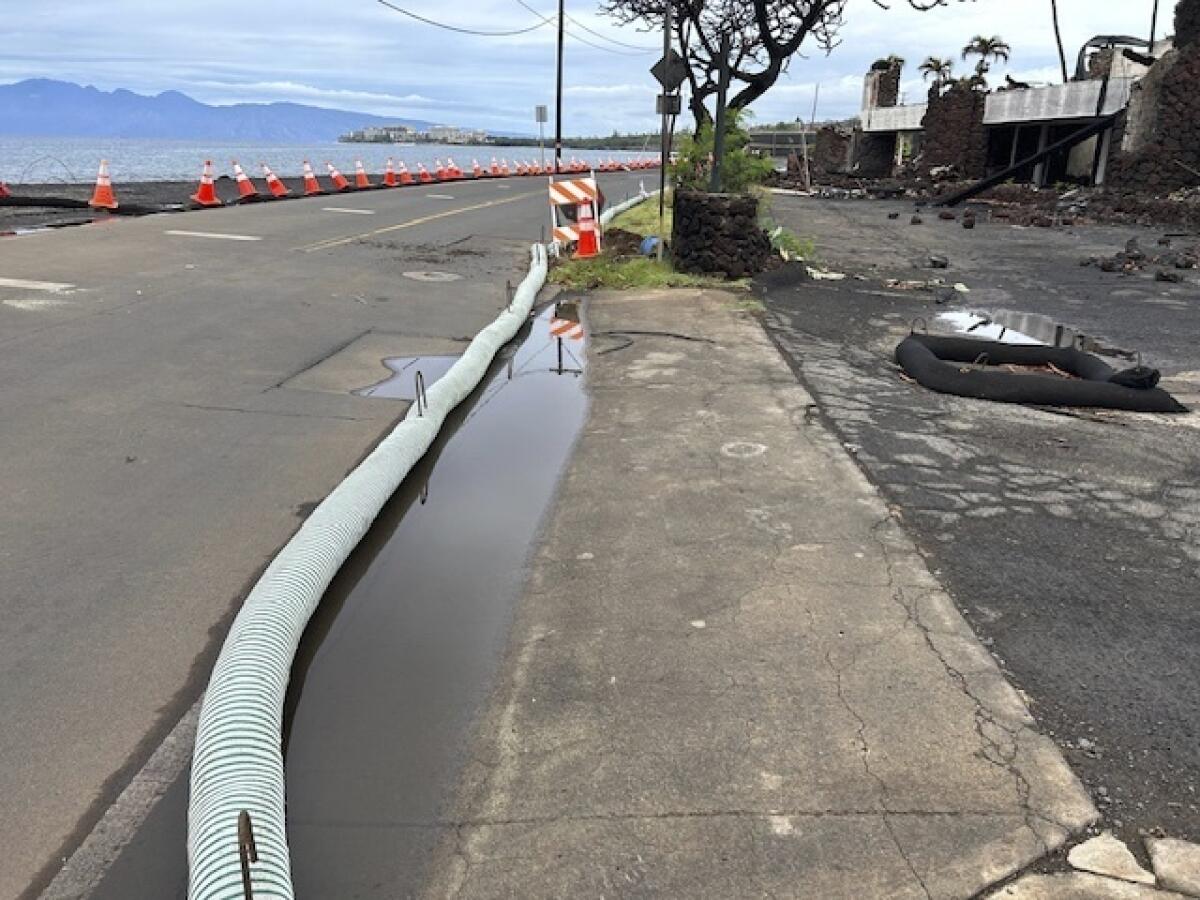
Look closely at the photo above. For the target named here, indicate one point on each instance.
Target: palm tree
(936, 68)
(1062, 55)
(986, 48)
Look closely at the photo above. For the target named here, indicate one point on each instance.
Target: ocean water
(41, 160)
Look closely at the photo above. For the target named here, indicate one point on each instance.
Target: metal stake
(247, 851)
(422, 400)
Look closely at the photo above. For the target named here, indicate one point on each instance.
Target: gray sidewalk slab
(732, 674)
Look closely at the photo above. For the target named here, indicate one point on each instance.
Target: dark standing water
(400, 655)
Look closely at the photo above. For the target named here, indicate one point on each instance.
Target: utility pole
(666, 148)
(559, 92)
(1153, 28)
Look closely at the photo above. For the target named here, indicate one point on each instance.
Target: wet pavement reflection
(398, 659)
(401, 385)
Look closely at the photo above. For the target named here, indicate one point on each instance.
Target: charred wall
(1160, 142)
(954, 132)
(831, 151)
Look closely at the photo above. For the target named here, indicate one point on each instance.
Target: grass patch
(624, 274)
(643, 218)
(789, 244)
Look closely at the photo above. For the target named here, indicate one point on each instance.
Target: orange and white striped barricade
(580, 193)
(566, 328)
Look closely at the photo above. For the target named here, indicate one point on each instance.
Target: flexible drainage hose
(237, 765)
(609, 214)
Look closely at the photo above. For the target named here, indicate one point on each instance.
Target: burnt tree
(764, 36)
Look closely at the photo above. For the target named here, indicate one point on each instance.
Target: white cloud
(365, 57)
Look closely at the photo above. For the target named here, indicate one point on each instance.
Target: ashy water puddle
(1015, 327)
(984, 327)
(401, 654)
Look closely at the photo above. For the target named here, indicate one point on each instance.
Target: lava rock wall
(1187, 24)
(954, 132)
(874, 155)
(718, 234)
(1160, 146)
(889, 85)
(831, 151)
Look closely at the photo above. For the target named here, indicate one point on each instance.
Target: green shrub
(740, 169)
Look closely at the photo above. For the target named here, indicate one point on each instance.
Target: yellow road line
(339, 242)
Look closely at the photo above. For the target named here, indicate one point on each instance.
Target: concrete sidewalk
(732, 674)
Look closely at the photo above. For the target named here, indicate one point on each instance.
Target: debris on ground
(620, 242)
(820, 275)
(1134, 259)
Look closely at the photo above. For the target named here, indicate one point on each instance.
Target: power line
(419, 18)
(548, 20)
(605, 37)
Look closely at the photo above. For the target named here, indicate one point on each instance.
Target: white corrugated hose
(238, 762)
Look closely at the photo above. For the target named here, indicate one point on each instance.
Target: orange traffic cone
(361, 181)
(455, 172)
(339, 180)
(274, 185)
(103, 197)
(405, 175)
(389, 175)
(247, 192)
(589, 243)
(522, 168)
(312, 187)
(535, 169)
(423, 174)
(206, 194)
(476, 169)
(504, 167)
(495, 171)
(439, 171)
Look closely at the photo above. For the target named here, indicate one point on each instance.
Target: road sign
(540, 114)
(671, 71)
(668, 105)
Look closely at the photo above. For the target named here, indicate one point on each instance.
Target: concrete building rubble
(1141, 102)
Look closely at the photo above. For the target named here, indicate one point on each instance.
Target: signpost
(671, 71)
(542, 115)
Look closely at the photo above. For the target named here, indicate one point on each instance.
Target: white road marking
(50, 287)
(214, 235)
(346, 209)
(439, 196)
(33, 304)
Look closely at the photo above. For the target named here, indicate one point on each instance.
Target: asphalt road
(1071, 541)
(176, 395)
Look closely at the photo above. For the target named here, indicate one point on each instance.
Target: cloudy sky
(359, 55)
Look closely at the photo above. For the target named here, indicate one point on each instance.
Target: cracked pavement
(732, 673)
(1069, 539)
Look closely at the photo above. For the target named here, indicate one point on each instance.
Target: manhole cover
(432, 276)
(743, 450)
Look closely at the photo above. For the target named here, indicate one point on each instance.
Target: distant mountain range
(46, 108)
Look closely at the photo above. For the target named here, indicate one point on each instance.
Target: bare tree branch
(764, 36)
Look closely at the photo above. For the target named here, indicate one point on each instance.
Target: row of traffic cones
(206, 194)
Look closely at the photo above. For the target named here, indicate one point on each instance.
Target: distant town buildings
(404, 134)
